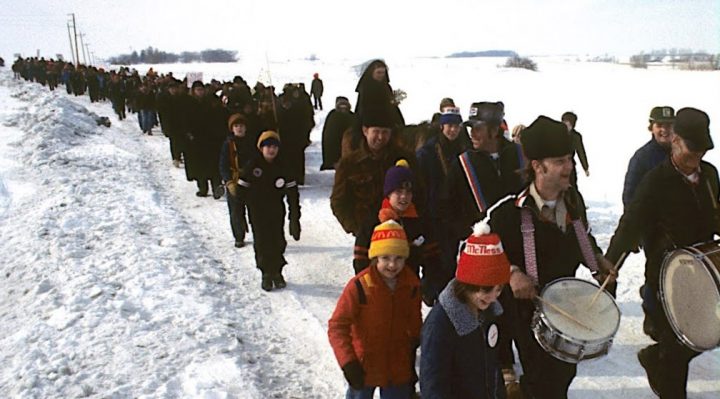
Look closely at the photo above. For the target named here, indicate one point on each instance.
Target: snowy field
(117, 281)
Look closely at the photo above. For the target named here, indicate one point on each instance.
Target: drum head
(574, 296)
(691, 299)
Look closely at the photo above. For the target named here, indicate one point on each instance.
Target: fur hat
(268, 137)
(236, 119)
(546, 138)
(398, 176)
(693, 126)
(483, 261)
(388, 238)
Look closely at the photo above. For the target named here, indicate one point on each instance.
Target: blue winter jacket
(645, 159)
(459, 359)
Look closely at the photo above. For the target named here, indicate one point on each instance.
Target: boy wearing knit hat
(398, 205)
(236, 151)
(263, 186)
(385, 294)
(460, 335)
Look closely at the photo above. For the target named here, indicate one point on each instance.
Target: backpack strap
(473, 181)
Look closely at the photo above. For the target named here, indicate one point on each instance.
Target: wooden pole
(607, 279)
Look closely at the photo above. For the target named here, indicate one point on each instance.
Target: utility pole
(82, 46)
(72, 52)
(87, 46)
(77, 53)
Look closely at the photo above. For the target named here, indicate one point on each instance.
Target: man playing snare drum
(545, 236)
(675, 205)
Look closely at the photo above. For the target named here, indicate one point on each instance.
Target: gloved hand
(354, 374)
(232, 188)
(295, 228)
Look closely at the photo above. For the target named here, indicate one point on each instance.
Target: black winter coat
(336, 123)
(667, 212)
(497, 179)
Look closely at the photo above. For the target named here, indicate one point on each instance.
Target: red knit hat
(483, 261)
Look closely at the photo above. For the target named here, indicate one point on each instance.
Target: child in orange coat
(375, 328)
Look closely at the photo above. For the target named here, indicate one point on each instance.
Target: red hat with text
(482, 261)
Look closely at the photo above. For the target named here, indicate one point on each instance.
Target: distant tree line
(682, 58)
(155, 56)
(487, 53)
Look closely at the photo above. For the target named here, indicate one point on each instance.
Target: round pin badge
(280, 182)
(492, 335)
(257, 172)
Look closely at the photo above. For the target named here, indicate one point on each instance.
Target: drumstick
(607, 280)
(564, 313)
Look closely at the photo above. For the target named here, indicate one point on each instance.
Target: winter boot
(267, 283)
(218, 191)
(239, 243)
(279, 281)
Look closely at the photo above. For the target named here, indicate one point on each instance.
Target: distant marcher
(460, 335)
(145, 103)
(653, 153)
(375, 328)
(337, 122)
(570, 120)
(207, 133)
(316, 90)
(236, 152)
(375, 95)
(263, 186)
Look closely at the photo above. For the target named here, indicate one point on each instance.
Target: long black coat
(336, 123)
(208, 128)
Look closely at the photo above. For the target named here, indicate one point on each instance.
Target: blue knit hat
(399, 176)
(451, 116)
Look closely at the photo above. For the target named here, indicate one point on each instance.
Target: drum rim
(699, 255)
(549, 322)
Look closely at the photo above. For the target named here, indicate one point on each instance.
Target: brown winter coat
(359, 178)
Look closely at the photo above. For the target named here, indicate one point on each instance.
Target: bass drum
(690, 295)
(590, 335)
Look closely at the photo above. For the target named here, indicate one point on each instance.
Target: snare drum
(690, 295)
(566, 339)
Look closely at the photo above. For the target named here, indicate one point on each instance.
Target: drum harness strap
(528, 229)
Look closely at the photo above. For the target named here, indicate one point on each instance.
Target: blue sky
(363, 27)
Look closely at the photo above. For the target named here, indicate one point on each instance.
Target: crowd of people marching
(452, 213)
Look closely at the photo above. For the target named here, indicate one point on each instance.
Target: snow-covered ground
(118, 282)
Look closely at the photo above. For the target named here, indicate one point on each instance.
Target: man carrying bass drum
(675, 205)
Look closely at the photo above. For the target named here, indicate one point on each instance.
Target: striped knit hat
(388, 238)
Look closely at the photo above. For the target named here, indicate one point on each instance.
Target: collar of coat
(410, 212)
(461, 317)
(569, 196)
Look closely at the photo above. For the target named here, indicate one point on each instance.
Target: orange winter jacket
(378, 327)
